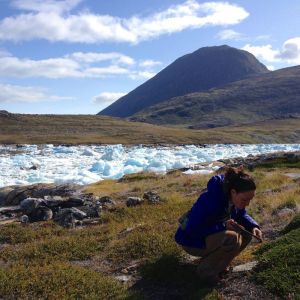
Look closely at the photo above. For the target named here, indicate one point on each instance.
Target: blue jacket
(208, 216)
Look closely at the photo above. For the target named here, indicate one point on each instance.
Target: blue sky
(78, 56)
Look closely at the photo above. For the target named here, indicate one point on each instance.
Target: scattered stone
(152, 197)
(106, 202)
(124, 278)
(245, 267)
(133, 201)
(10, 209)
(67, 217)
(29, 205)
(293, 175)
(41, 213)
(34, 167)
(24, 219)
(127, 230)
(92, 210)
(285, 212)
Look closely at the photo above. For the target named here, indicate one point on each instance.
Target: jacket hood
(215, 184)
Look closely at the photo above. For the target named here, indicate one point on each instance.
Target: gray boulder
(133, 201)
(68, 217)
(30, 204)
(41, 213)
(152, 197)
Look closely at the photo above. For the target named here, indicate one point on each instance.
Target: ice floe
(29, 164)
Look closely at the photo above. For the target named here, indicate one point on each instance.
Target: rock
(41, 213)
(24, 219)
(15, 194)
(245, 267)
(67, 217)
(4, 192)
(127, 230)
(30, 204)
(285, 212)
(33, 167)
(10, 209)
(293, 175)
(106, 202)
(133, 201)
(92, 210)
(152, 197)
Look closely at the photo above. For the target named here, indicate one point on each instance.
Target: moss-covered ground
(45, 261)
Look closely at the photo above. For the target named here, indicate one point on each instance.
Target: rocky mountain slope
(269, 96)
(201, 70)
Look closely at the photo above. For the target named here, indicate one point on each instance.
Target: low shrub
(58, 281)
(55, 248)
(294, 224)
(279, 263)
(19, 233)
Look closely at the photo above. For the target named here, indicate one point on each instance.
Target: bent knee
(232, 241)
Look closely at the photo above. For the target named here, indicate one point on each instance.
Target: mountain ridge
(263, 97)
(201, 70)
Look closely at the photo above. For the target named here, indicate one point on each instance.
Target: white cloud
(77, 65)
(50, 24)
(148, 63)
(15, 93)
(262, 37)
(270, 67)
(105, 72)
(265, 52)
(50, 68)
(142, 75)
(229, 34)
(57, 6)
(290, 52)
(91, 57)
(107, 98)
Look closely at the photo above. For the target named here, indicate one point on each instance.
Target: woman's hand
(233, 225)
(257, 232)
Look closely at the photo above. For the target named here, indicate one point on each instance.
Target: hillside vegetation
(45, 261)
(89, 129)
(274, 95)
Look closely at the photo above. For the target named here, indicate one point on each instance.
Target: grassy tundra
(89, 129)
(45, 261)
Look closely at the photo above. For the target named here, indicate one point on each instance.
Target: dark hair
(235, 178)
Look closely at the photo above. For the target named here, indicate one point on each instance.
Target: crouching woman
(209, 230)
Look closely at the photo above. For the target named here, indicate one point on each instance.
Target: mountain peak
(205, 68)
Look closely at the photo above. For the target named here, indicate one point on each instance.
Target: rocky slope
(269, 96)
(201, 70)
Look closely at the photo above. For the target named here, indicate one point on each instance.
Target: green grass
(279, 262)
(58, 281)
(289, 162)
(294, 224)
(144, 233)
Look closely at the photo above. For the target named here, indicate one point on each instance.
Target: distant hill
(201, 70)
(273, 95)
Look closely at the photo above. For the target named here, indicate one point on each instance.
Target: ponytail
(235, 178)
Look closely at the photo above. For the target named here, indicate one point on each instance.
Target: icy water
(29, 164)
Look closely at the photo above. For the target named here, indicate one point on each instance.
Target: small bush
(279, 264)
(294, 224)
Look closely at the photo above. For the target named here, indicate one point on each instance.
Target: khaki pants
(221, 248)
